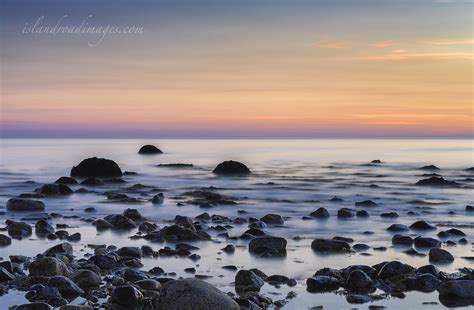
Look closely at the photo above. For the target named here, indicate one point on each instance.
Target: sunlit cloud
(332, 44)
(450, 42)
(383, 44)
(398, 55)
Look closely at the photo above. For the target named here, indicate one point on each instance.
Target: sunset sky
(239, 69)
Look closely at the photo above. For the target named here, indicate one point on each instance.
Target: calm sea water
(290, 177)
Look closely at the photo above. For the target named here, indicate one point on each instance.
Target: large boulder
(149, 149)
(53, 189)
(61, 249)
(457, 288)
(19, 229)
(194, 294)
(231, 167)
(248, 281)
(66, 287)
(330, 245)
(120, 221)
(393, 269)
(20, 204)
(48, 267)
(96, 167)
(86, 279)
(358, 280)
(440, 256)
(268, 246)
(127, 297)
(272, 219)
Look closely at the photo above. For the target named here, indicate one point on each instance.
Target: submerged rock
(20, 204)
(149, 149)
(272, 219)
(422, 225)
(365, 203)
(330, 245)
(320, 213)
(231, 167)
(194, 294)
(436, 181)
(54, 189)
(158, 199)
(66, 180)
(96, 167)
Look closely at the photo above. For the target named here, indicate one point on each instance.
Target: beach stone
(133, 275)
(358, 280)
(66, 180)
(247, 281)
(35, 306)
(48, 267)
(330, 245)
(129, 251)
(389, 214)
(322, 283)
(149, 149)
(62, 248)
(440, 256)
(149, 285)
(432, 269)
(402, 240)
(86, 279)
(54, 189)
(74, 237)
(394, 268)
(158, 199)
(365, 203)
(397, 227)
(96, 167)
(120, 221)
(231, 167)
(19, 229)
(104, 261)
(426, 242)
(42, 227)
(345, 213)
(92, 182)
(424, 283)
(422, 225)
(436, 181)
(126, 296)
(101, 224)
(188, 294)
(5, 240)
(5, 275)
(230, 248)
(469, 208)
(21, 204)
(320, 213)
(457, 288)
(362, 213)
(268, 246)
(272, 219)
(66, 287)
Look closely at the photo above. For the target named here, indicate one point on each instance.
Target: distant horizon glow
(236, 69)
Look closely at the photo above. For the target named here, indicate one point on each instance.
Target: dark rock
(34, 306)
(426, 242)
(149, 149)
(268, 246)
(389, 214)
(231, 167)
(20, 204)
(42, 227)
(48, 267)
(120, 221)
(272, 219)
(5, 275)
(247, 281)
(402, 240)
(101, 224)
(422, 225)
(457, 288)
(86, 279)
(66, 180)
(188, 294)
(5, 240)
(329, 245)
(66, 287)
(345, 212)
(134, 215)
(130, 252)
(393, 269)
(358, 299)
(62, 249)
(428, 269)
(74, 237)
(429, 167)
(320, 213)
(92, 182)
(54, 189)
(96, 167)
(133, 275)
(147, 227)
(19, 229)
(230, 248)
(322, 283)
(440, 256)
(424, 283)
(362, 213)
(366, 203)
(158, 199)
(358, 280)
(469, 208)
(105, 262)
(361, 247)
(436, 181)
(397, 227)
(126, 296)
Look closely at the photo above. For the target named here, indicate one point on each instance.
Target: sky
(200, 68)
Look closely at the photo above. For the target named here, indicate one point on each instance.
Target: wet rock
(330, 245)
(451, 232)
(457, 288)
(345, 213)
(422, 225)
(134, 215)
(429, 167)
(74, 237)
(147, 227)
(62, 249)
(426, 242)
(119, 221)
(268, 246)
(19, 229)
(92, 182)
(428, 269)
(320, 213)
(440, 256)
(179, 233)
(66, 287)
(436, 181)
(361, 247)
(397, 227)
(322, 283)
(149, 149)
(104, 261)
(86, 279)
(133, 275)
(389, 214)
(5, 275)
(393, 269)
(188, 294)
(424, 283)
(101, 224)
(365, 203)
(469, 208)
(272, 219)
(126, 296)
(48, 267)
(149, 285)
(130, 252)
(248, 281)
(54, 189)
(96, 167)
(230, 248)
(66, 180)
(402, 240)
(42, 227)
(362, 213)
(20, 204)
(231, 168)
(358, 299)
(39, 292)
(5, 240)
(158, 199)
(35, 306)
(358, 280)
